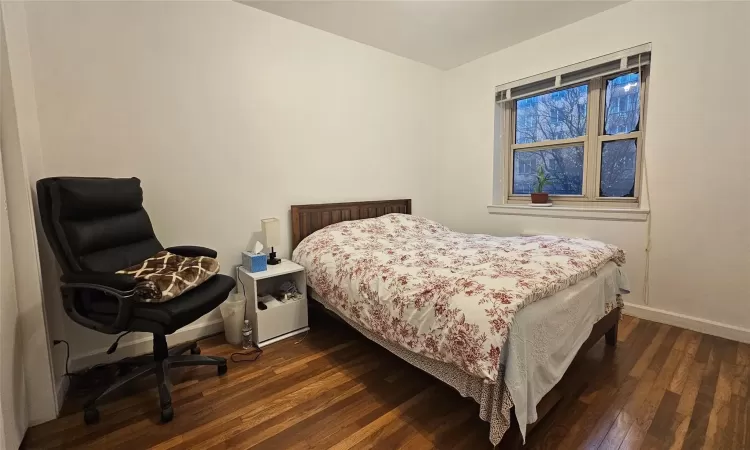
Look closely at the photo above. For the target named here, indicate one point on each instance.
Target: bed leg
(610, 336)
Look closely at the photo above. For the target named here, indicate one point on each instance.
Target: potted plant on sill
(539, 197)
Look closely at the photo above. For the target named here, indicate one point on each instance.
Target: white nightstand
(281, 321)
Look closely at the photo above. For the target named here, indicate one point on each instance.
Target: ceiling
(443, 34)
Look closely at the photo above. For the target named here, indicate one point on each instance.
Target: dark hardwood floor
(662, 387)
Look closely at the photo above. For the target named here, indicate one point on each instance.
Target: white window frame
(592, 143)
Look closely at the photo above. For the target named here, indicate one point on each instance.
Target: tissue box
(254, 262)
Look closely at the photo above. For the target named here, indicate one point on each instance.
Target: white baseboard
(283, 336)
(143, 345)
(62, 389)
(691, 323)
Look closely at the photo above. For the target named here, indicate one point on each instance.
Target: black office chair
(97, 226)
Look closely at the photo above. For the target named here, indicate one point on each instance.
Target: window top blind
(630, 58)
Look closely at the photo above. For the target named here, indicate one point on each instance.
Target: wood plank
(696, 432)
(729, 439)
(427, 412)
(662, 387)
(294, 426)
(642, 337)
(599, 417)
(326, 389)
(607, 418)
(114, 416)
(325, 218)
(741, 424)
(664, 363)
(678, 431)
(662, 421)
(645, 360)
(740, 380)
(683, 369)
(690, 391)
(704, 349)
(385, 419)
(626, 328)
(215, 417)
(718, 418)
(326, 428)
(726, 349)
(650, 443)
(558, 431)
(621, 426)
(743, 354)
(432, 435)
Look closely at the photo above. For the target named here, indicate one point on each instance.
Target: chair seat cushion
(175, 313)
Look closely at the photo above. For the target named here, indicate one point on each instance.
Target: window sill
(605, 212)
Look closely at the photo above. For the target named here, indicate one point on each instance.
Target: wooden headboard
(307, 219)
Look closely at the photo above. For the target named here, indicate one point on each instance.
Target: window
(587, 135)
(525, 166)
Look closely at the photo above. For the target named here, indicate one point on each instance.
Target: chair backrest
(96, 224)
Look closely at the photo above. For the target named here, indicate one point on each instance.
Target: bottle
(247, 336)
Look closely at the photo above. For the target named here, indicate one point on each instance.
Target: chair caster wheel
(167, 414)
(195, 350)
(222, 369)
(91, 415)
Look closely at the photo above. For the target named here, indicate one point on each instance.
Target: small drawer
(281, 319)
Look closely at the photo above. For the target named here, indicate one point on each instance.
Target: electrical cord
(244, 294)
(82, 373)
(67, 354)
(256, 352)
(252, 355)
(303, 337)
(113, 347)
(647, 188)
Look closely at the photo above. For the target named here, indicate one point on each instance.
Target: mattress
(542, 343)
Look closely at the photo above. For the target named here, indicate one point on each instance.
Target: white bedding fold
(548, 334)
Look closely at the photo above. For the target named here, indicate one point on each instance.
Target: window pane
(563, 166)
(618, 169)
(555, 115)
(623, 105)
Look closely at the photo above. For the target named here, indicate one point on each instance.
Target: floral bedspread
(446, 295)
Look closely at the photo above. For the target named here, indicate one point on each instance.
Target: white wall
(228, 115)
(22, 163)
(696, 147)
(13, 411)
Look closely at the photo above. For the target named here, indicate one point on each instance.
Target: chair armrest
(120, 286)
(116, 281)
(192, 251)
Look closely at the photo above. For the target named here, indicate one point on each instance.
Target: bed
(498, 319)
